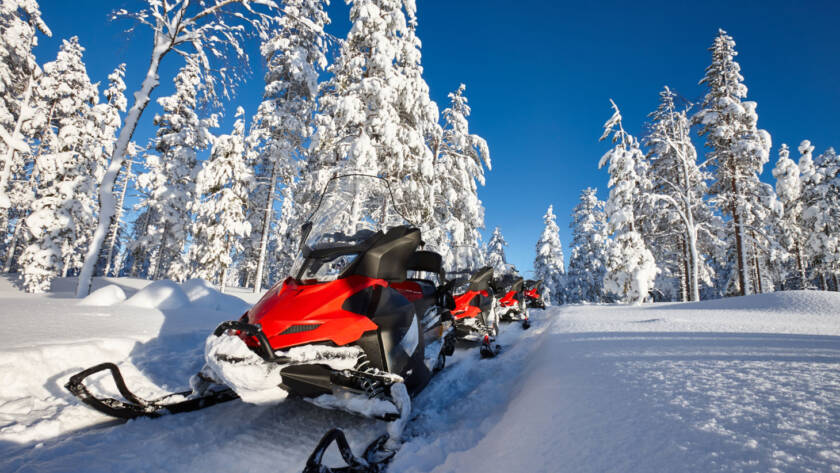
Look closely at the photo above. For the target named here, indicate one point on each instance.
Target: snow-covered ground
(743, 384)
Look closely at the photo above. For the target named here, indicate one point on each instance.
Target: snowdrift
(103, 297)
(164, 295)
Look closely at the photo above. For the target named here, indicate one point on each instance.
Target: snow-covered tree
(20, 21)
(789, 227)
(459, 168)
(677, 189)
(376, 113)
(295, 53)
(549, 262)
(170, 180)
(63, 213)
(821, 217)
(495, 254)
(587, 260)
(738, 151)
(221, 222)
(212, 29)
(630, 265)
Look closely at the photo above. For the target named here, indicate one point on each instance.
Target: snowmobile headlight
(324, 270)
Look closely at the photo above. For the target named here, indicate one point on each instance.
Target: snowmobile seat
(429, 262)
(389, 255)
(480, 281)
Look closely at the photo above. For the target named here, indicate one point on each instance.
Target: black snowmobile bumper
(311, 379)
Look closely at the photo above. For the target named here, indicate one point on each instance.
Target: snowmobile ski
(375, 459)
(135, 406)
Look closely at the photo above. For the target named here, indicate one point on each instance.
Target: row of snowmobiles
(364, 321)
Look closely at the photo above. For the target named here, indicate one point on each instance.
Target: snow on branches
(548, 264)
(630, 265)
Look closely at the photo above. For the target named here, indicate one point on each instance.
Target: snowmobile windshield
(352, 209)
(462, 280)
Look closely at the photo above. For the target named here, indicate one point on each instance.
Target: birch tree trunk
(269, 207)
(106, 187)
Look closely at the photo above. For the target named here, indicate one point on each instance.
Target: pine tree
(294, 56)
(170, 180)
(221, 222)
(495, 254)
(549, 263)
(789, 228)
(459, 168)
(739, 150)
(821, 218)
(587, 260)
(376, 113)
(63, 213)
(630, 265)
(679, 214)
(20, 21)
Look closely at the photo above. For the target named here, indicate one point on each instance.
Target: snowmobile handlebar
(263, 349)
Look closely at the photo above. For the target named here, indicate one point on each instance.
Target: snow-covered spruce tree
(495, 254)
(739, 150)
(630, 265)
(63, 213)
(789, 227)
(212, 29)
(221, 222)
(294, 54)
(821, 218)
(549, 263)
(376, 112)
(170, 180)
(20, 21)
(677, 189)
(459, 168)
(587, 260)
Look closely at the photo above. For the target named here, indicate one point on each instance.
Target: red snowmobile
(358, 326)
(474, 313)
(511, 303)
(533, 298)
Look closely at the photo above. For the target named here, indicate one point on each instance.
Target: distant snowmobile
(511, 301)
(348, 330)
(533, 297)
(475, 314)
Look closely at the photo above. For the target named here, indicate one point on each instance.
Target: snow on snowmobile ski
(354, 328)
(475, 315)
(511, 303)
(533, 297)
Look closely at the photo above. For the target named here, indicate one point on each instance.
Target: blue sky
(540, 74)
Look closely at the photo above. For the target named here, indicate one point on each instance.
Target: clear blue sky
(540, 74)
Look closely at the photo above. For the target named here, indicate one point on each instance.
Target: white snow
(162, 295)
(106, 296)
(741, 384)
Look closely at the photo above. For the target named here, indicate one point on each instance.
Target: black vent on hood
(299, 329)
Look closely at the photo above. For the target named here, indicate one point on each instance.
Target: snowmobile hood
(293, 314)
(467, 305)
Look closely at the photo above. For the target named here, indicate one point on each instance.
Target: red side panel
(410, 289)
(508, 299)
(532, 293)
(310, 305)
(463, 309)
